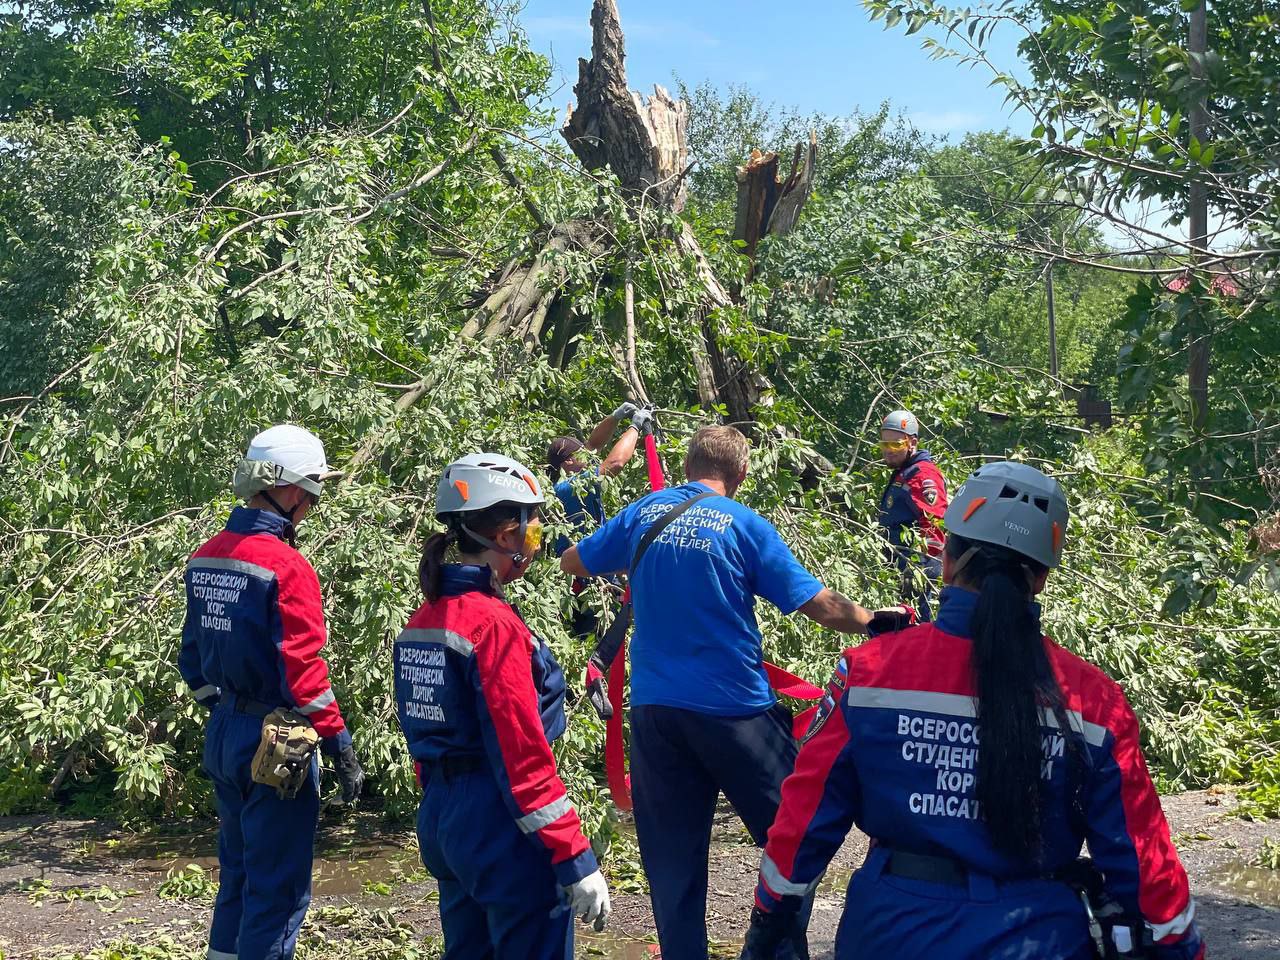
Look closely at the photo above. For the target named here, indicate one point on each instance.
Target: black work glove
(891, 620)
(598, 689)
(349, 774)
(774, 935)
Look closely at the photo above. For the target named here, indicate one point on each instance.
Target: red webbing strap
(615, 748)
(788, 684)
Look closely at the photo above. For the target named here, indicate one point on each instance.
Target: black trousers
(680, 762)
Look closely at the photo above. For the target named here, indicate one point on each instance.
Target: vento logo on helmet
(1018, 528)
(505, 480)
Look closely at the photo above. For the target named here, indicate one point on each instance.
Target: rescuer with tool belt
(912, 504)
(703, 717)
(978, 755)
(251, 653)
(579, 492)
(480, 699)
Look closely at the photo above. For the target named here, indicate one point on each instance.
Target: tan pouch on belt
(289, 741)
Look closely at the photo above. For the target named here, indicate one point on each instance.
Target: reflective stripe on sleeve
(544, 816)
(221, 955)
(777, 883)
(318, 704)
(207, 690)
(1175, 926)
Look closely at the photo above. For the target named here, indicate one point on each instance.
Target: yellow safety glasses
(895, 446)
(532, 538)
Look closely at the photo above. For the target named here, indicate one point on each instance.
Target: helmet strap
(289, 533)
(963, 561)
(517, 557)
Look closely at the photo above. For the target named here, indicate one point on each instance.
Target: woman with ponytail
(980, 757)
(480, 699)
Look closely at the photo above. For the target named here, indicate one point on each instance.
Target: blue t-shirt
(580, 494)
(697, 645)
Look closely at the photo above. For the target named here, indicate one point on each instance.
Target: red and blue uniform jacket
(916, 497)
(255, 625)
(893, 749)
(472, 680)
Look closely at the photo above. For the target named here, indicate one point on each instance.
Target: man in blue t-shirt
(703, 717)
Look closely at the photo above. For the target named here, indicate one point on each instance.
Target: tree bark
(1198, 216)
(641, 140)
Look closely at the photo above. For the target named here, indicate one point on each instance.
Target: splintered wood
(641, 140)
(768, 205)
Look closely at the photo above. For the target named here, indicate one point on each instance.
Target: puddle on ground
(619, 946)
(1249, 882)
(835, 882)
(357, 870)
(613, 947)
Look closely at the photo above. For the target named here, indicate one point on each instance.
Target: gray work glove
(642, 420)
(349, 774)
(624, 410)
(589, 900)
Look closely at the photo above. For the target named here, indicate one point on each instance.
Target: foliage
(337, 270)
(332, 933)
(1114, 89)
(1269, 854)
(191, 882)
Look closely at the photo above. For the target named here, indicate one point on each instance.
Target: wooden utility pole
(1198, 218)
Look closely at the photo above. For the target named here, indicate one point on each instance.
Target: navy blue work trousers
(499, 899)
(680, 762)
(888, 916)
(265, 847)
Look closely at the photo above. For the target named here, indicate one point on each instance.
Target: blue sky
(823, 55)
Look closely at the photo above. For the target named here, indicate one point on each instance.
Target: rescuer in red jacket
(480, 699)
(914, 500)
(979, 756)
(251, 643)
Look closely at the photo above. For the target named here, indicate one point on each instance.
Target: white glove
(589, 900)
(624, 410)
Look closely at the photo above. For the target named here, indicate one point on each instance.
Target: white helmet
(280, 456)
(482, 480)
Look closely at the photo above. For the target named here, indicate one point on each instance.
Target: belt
(453, 765)
(242, 704)
(926, 867)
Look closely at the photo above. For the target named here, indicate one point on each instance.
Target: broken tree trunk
(641, 140)
(523, 294)
(643, 143)
(768, 206)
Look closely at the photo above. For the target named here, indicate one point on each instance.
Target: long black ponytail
(1014, 682)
